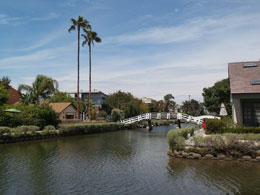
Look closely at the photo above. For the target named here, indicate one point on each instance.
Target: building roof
(14, 96)
(241, 77)
(86, 92)
(58, 107)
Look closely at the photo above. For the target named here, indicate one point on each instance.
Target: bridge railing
(159, 116)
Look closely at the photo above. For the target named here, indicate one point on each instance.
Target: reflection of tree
(27, 164)
(227, 176)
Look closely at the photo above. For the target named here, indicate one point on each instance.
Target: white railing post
(168, 116)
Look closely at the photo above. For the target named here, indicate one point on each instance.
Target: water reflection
(223, 176)
(124, 162)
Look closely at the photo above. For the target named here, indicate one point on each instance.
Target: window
(255, 82)
(248, 65)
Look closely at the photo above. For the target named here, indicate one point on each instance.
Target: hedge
(215, 126)
(30, 132)
(176, 137)
(78, 129)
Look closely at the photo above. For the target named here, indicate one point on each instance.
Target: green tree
(144, 107)
(79, 24)
(168, 97)
(5, 81)
(3, 94)
(123, 101)
(61, 97)
(90, 38)
(39, 115)
(153, 107)
(192, 107)
(215, 95)
(42, 88)
(117, 115)
(168, 102)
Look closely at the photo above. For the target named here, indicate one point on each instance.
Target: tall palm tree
(42, 88)
(90, 38)
(81, 23)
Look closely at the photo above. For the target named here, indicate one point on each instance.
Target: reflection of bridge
(167, 116)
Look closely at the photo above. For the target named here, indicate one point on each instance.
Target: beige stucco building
(65, 111)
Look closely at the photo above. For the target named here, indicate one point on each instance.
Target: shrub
(241, 130)
(4, 130)
(214, 141)
(29, 130)
(198, 140)
(38, 115)
(77, 129)
(235, 145)
(49, 130)
(250, 136)
(179, 142)
(49, 127)
(214, 126)
(173, 136)
(102, 114)
(117, 115)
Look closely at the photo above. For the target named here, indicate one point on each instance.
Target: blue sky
(150, 47)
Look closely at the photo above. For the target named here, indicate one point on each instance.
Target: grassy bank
(24, 133)
(229, 144)
(216, 146)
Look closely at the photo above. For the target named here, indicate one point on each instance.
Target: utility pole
(189, 98)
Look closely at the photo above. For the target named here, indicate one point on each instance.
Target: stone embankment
(207, 156)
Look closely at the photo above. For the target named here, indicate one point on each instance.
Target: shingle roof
(14, 96)
(58, 107)
(241, 77)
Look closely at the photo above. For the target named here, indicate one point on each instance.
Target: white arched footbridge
(167, 116)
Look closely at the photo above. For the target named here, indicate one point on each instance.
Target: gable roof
(241, 77)
(58, 107)
(14, 96)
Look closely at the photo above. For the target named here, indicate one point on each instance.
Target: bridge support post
(149, 127)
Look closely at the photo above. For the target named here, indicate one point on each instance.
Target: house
(147, 100)
(14, 96)
(65, 111)
(97, 97)
(245, 92)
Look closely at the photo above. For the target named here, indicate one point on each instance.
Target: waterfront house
(65, 111)
(97, 97)
(245, 92)
(13, 96)
(147, 100)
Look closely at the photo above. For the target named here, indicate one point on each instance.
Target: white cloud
(16, 20)
(190, 30)
(182, 71)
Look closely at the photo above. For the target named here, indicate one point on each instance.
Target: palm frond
(84, 43)
(71, 28)
(74, 22)
(90, 37)
(24, 88)
(98, 40)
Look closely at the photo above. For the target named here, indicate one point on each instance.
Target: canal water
(118, 163)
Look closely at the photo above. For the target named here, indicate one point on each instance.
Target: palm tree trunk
(89, 97)
(78, 73)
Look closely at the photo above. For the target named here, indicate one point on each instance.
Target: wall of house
(237, 105)
(69, 109)
(97, 98)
